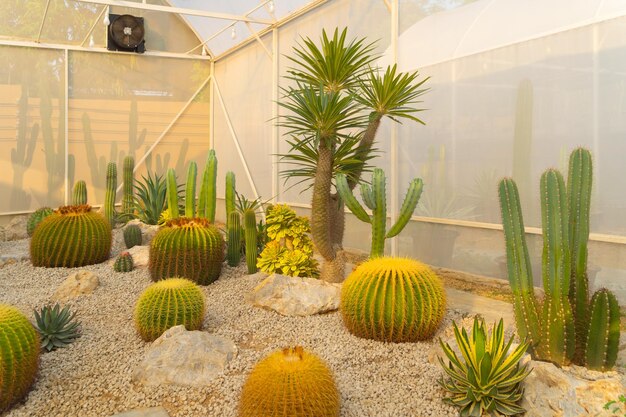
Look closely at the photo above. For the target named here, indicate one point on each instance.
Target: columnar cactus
(251, 237)
(563, 328)
(109, 199)
(234, 239)
(19, 356)
(375, 199)
(393, 300)
(172, 194)
(72, 236)
(128, 196)
(35, 218)
(230, 194)
(169, 303)
(132, 236)
(208, 195)
(189, 248)
(80, 193)
(190, 194)
(290, 383)
(123, 263)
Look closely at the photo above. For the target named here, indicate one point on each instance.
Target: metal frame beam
(178, 10)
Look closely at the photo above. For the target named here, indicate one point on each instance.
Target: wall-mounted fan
(126, 33)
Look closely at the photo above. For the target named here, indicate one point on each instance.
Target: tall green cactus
(109, 200)
(208, 196)
(80, 193)
(375, 198)
(250, 230)
(564, 328)
(172, 194)
(128, 198)
(230, 194)
(234, 239)
(190, 194)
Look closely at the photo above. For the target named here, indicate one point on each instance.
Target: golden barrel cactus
(393, 300)
(290, 383)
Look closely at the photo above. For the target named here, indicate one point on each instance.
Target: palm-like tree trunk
(320, 205)
(365, 146)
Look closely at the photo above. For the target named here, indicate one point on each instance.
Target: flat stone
(16, 229)
(296, 296)
(76, 284)
(569, 391)
(144, 412)
(188, 358)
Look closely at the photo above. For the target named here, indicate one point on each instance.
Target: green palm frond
(335, 64)
(394, 94)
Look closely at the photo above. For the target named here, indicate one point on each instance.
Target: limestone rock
(76, 284)
(569, 391)
(181, 357)
(147, 230)
(296, 296)
(16, 229)
(144, 412)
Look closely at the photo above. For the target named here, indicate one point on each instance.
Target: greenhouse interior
(313, 208)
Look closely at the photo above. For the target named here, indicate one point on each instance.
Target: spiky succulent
(487, 377)
(35, 218)
(57, 327)
(124, 263)
(132, 236)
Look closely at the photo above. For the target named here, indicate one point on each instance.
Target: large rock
(295, 296)
(181, 357)
(76, 284)
(147, 230)
(569, 391)
(16, 229)
(144, 412)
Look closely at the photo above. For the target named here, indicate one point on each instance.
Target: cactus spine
(230, 194)
(132, 236)
(190, 194)
(36, 218)
(80, 193)
(234, 239)
(375, 199)
(208, 197)
(19, 356)
(172, 194)
(128, 199)
(109, 200)
(393, 300)
(123, 263)
(250, 230)
(564, 328)
(290, 383)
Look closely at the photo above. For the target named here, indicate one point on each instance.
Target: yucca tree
(335, 107)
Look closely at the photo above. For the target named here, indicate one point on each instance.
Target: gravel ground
(92, 377)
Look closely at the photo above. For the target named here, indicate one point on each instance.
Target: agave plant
(57, 327)
(334, 109)
(151, 198)
(488, 377)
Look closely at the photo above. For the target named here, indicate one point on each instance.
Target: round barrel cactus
(123, 263)
(166, 304)
(187, 247)
(132, 236)
(35, 218)
(393, 300)
(70, 237)
(19, 355)
(290, 383)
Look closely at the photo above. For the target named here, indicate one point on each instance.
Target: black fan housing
(126, 33)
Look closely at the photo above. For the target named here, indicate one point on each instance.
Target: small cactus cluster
(35, 218)
(375, 199)
(79, 196)
(132, 236)
(123, 263)
(19, 356)
(72, 236)
(169, 303)
(393, 300)
(566, 327)
(291, 382)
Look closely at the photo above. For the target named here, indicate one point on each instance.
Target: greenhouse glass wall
(507, 105)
